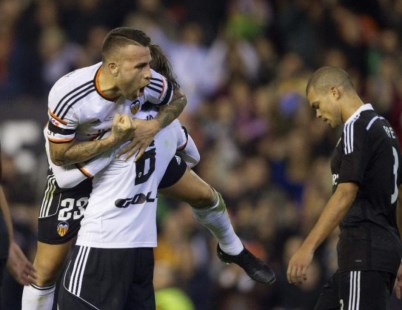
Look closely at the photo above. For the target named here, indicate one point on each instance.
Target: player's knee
(46, 272)
(207, 198)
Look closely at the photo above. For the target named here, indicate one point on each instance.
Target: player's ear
(113, 68)
(335, 92)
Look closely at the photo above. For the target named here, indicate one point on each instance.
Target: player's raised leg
(209, 209)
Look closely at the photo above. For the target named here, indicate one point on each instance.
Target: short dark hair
(326, 77)
(122, 36)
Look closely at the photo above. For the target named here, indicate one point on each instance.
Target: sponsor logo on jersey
(62, 228)
(136, 200)
(135, 106)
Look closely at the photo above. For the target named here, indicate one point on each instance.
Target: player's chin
(137, 94)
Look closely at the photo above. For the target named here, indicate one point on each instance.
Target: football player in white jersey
(112, 263)
(82, 105)
(208, 206)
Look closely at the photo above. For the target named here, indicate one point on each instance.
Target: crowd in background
(243, 65)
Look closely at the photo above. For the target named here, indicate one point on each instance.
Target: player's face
(134, 71)
(325, 107)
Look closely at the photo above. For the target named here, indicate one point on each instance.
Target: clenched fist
(122, 127)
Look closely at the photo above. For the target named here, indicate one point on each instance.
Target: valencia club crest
(135, 106)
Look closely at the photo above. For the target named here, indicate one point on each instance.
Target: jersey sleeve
(159, 91)
(63, 122)
(72, 175)
(356, 152)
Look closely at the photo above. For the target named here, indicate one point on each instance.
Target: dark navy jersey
(368, 154)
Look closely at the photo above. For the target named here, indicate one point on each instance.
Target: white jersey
(78, 110)
(121, 211)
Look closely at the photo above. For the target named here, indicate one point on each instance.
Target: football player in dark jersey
(366, 176)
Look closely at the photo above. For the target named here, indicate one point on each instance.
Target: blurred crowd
(243, 65)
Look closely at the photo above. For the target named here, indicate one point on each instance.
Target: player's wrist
(157, 123)
(110, 141)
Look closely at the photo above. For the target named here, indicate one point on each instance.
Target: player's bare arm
(170, 112)
(145, 131)
(330, 218)
(77, 152)
(17, 263)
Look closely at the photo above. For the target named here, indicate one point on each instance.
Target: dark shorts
(357, 290)
(175, 170)
(108, 279)
(62, 210)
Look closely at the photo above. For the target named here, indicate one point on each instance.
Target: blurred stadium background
(243, 65)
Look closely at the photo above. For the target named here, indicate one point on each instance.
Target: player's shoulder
(362, 121)
(76, 81)
(156, 75)
(159, 90)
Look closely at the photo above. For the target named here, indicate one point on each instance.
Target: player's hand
(19, 266)
(398, 283)
(122, 127)
(144, 134)
(298, 266)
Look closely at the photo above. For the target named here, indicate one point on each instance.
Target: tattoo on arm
(79, 152)
(170, 112)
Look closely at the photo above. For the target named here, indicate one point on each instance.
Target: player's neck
(105, 85)
(350, 106)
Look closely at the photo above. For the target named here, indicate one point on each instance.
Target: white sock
(217, 220)
(37, 298)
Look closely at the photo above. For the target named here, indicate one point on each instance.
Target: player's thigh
(141, 295)
(49, 260)
(190, 188)
(356, 290)
(368, 290)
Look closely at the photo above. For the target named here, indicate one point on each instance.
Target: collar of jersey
(364, 107)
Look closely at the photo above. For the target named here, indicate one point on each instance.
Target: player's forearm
(330, 218)
(79, 152)
(170, 112)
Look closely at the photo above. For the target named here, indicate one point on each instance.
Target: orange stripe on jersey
(57, 118)
(84, 171)
(60, 140)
